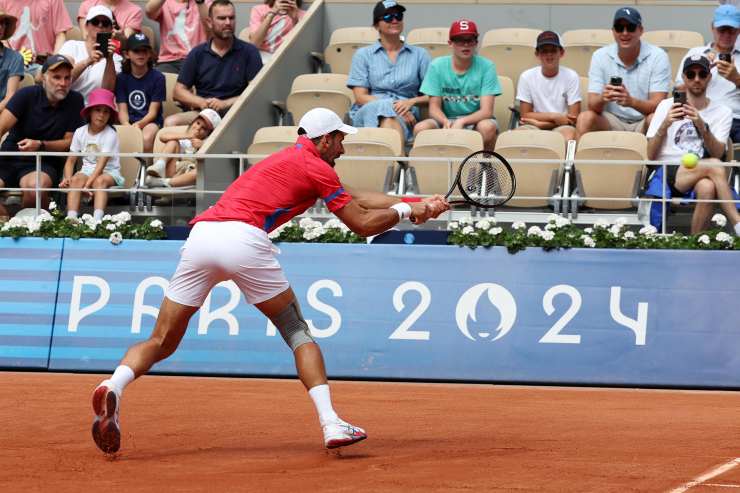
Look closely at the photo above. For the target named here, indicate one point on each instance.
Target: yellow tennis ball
(690, 160)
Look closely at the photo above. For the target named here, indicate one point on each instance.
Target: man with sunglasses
(723, 86)
(626, 80)
(699, 126)
(462, 87)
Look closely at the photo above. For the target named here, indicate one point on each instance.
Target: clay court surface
(231, 434)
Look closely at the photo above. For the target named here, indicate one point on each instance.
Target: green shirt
(461, 93)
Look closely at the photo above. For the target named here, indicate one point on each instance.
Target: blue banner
(29, 273)
(427, 312)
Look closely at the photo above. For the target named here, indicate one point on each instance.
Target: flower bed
(308, 230)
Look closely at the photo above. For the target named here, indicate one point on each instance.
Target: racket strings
(487, 181)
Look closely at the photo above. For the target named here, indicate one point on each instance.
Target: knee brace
(292, 326)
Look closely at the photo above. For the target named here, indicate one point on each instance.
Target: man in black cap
(701, 127)
(549, 95)
(39, 118)
(626, 80)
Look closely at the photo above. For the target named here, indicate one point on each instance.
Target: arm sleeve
(424, 64)
(660, 113)
(76, 145)
(430, 84)
(81, 12)
(359, 75)
(523, 92)
(135, 19)
(255, 18)
(110, 142)
(491, 85)
(721, 128)
(160, 87)
(327, 186)
(15, 67)
(574, 90)
(660, 79)
(19, 102)
(596, 81)
(255, 63)
(188, 70)
(121, 89)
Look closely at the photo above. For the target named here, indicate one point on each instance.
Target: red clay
(220, 434)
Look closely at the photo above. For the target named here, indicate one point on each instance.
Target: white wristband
(403, 209)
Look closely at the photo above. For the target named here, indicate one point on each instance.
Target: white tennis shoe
(340, 434)
(106, 431)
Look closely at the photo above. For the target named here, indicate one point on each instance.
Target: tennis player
(229, 241)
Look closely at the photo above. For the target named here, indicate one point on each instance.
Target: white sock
(122, 377)
(322, 400)
(98, 214)
(72, 214)
(157, 169)
(737, 229)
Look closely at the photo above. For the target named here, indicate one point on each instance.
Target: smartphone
(725, 57)
(102, 40)
(615, 81)
(679, 97)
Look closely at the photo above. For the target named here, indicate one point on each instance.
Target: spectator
(462, 87)
(97, 172)
(386, 76)
(549, 95)
(42, 28)
(140, 89)
(39, 118)
(271, 22)
(644, 74)
(219, 69)
(182, 173)
(722, 86)
(11, 62)
(182, 26)
(700, 126)
(93, 69)
(127, 16)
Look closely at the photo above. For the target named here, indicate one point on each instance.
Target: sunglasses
(691, 75)
(395, 15)
(465, 41)
(100, 22)
(620, 28)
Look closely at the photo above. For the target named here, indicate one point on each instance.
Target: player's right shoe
(106, 431)
(339, 433)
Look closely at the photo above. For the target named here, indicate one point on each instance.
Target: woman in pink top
(42, 26)
(270, 22)
(127, 15)
(182, 26)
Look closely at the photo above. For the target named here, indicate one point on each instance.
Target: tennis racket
(485, 179)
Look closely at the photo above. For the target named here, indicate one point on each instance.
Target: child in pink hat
(97, 172)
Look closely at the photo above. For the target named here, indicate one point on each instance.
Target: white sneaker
(157, 169)
(340, 434)
(106, 431)
(155, 182)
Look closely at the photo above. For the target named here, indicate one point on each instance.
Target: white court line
(722, 485)
(721, 469)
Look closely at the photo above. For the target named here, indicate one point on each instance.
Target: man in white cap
(229, 242)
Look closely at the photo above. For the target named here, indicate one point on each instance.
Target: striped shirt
(650, 73)
(371, 68)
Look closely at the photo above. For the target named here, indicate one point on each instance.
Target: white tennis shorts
(229, 250)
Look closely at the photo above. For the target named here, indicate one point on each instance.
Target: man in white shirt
(723, 87)
(699, 126)
(549, 95)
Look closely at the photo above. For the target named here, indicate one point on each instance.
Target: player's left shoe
(339, 433)
(106, 431)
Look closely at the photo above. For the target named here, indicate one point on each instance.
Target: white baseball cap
(322, 121)
(97, 11)
(211, 117)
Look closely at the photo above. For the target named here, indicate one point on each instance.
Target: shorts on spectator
(467, 127)
(617, 123)
(116, 175)
(11, 173)
(171, 67)
(184, 166)
(534, 127)
(221, 251)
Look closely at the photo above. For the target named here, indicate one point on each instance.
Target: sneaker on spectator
(157, 169)
(156, 182)
(339, 433)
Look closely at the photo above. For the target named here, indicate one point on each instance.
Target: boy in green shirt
(462, 87)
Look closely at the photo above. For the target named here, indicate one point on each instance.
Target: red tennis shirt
(278, 188)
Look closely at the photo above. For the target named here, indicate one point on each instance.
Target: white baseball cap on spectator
(97, 11)
(322, 121)
(211, 117)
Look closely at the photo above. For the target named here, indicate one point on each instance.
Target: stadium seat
(319, 90)
(74, 34)
(376, 175)
(169, 107)
(271, 139)
(580, 45)
(594, 179)
(503, 103)
(130, 140)
(26, 81)
(432, 39)
(675, 43)
(511, 49)
(533, 179)
(584, 93)
(342, 46)
(431, 177)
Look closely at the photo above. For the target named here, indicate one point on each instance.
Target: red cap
(463, 27)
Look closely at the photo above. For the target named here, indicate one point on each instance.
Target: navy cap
(699, 60)
(55, 61)
(628, 14)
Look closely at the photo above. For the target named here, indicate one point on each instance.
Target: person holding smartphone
(95, 63)
(627, 79)
(699, 126)
(271, 22)
(725, 59)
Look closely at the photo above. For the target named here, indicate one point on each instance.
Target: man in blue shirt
(11, 62)
(626, 80)
(219, 69)
(39, 118)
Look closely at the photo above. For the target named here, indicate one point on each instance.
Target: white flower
(156, 224)
(466, 220)
(550, 226)
(561, 221)
(722, 236)
(52, 205)
(602, 223)
(551, 218)
(110, 227)
(629, 235)
(122, 217)
(32, 226)
(116, 238)
(518, 225)
(453, 226)
(86, 218)
(615, 230)
(534, 231)
(620, 221)
(648, 230)
(588, 241)
(332, 223)
(704, 239)
(75, 220)
(588, 230)
(107, 217)
(485, 225)
(467, 230)
(547, 235)
(719, 220)
(495, 231)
